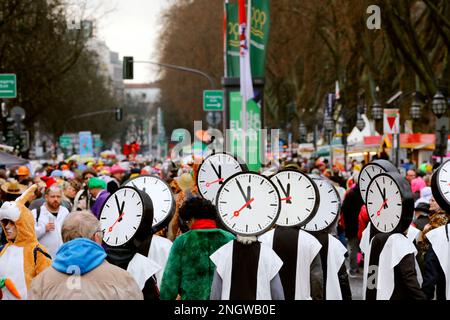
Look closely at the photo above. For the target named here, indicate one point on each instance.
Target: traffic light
(127, 72)
(119, 114)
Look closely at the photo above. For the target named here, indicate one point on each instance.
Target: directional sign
(65, 141)
(8, 86)
(391, 121)
(213, 100)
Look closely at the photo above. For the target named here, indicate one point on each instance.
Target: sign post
(391, 124)
(8, 86)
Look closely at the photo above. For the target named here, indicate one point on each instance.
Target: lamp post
(328, 124)
(303, 131)
(439, 108)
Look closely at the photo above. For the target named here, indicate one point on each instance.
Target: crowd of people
(51, 231)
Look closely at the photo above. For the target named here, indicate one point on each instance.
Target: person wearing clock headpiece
(435, 236)
(131, 252)
(390, 269)
(247, 269)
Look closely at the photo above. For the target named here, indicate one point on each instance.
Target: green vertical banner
(259, 36)
(254, 157)
(232, 40)
(258, 39)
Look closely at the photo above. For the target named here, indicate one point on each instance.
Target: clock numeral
(396, 192)
(165, 190)
(273, 204)
(399, 204)
(249, 179)
(203, 170)
(133, 195)
(226, 189)
(326, 222)
(308, 210)
(287, 220)
(262, 181)
(167, 200)
(391, 183)
(272, 191)
(223, 202)
(126, 238)
(139, 215)
(444, 170)
(205, 192)
(259, 226)
(369, 202)
(233, 225)
(103, 218)
(237, 167)
(333, 213)
(246, 228)
(164, 211)
(298, 218)
(383, 181)
(107, 240)
(331, 190)
(397, 216)
(134, 228)
(144, 179)
(289, 175)
(384, 227)
(315, 225)
(156, 181)
(392, 225)
(363, 190)
(300, 178)
(107, 205)
(446, 192)
(202, 181)
(444, 181)
(125, 193)
(117, 239)
(371, 191)
(378, 224)
(154, 220)
(313, 199)
(362, 180)
(308, 186)
(138, 203)
(333, 201)
(270, 217)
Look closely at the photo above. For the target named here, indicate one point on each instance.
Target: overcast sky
(130, 27)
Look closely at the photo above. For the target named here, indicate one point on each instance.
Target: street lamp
(328, 124)
(415, 111)
(439, 105)
(377, 111)
(303, 131)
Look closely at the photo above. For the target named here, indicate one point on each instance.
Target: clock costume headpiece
(126, 219)
(248, 205)
(24, 258)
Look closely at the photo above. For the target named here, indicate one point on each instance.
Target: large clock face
(161, 195)
(121, 216)
(214, 171)
(440, 185)
(329, 207)
(384, 203)
(369, 171)
(248, 204)
(299, 197)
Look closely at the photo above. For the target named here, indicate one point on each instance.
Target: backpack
(38, 249)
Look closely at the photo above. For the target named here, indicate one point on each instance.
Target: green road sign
(8, 86)
(65, 141)
(212, 100)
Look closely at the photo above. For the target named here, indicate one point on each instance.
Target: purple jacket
(101, 198)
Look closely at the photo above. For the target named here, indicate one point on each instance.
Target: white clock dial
(161, 195)
(329, 207)
(213, 172)
(248, 204)
(384, 203)
(121, 216)
(369, 171)
(440, 185)
(299, 197)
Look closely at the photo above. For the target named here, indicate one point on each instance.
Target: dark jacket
(433, 277)
(405, 278)
(350, 208)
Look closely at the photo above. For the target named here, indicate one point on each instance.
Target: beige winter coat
(106, 282)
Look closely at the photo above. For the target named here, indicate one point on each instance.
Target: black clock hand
(288, 195)
(218, 172)
(384, 198)
(381, 192)
(121, 210)
(242, 191)
(249, 191)
(282, 188)
(118, 205)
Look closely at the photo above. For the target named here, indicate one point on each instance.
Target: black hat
(422, 207)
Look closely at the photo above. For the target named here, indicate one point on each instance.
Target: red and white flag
(244, 38)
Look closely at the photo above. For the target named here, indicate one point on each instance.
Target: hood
(22, 217)
(80, 253)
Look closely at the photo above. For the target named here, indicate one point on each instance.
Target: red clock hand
(120, 217)
(286, 199)
(379, 211)
(236, 213)
(208, 184)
